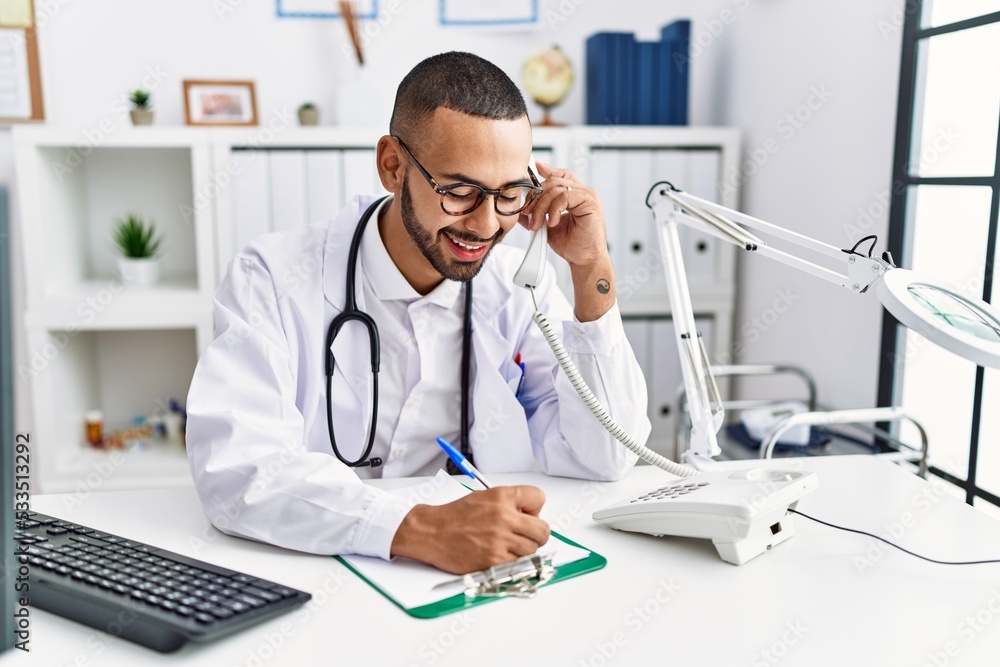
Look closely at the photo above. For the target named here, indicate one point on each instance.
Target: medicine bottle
(95, 428)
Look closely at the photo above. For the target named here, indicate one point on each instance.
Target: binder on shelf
(631, 82)
(675, 40)
(609, 63)
(645, 89)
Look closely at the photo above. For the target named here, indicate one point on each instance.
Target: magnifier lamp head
(940, 313)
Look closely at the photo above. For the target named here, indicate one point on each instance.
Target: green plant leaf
(139, 98)
(134, 238)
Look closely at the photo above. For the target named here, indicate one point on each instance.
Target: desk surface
(824, 597)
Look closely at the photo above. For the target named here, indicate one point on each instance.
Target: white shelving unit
(212, 190)
(94, 343)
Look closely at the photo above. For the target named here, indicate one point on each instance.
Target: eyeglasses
(464, 198)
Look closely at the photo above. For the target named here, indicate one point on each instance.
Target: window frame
(910, 85)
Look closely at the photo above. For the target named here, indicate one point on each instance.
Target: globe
(548, 78)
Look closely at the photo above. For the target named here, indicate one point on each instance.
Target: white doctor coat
(257, 437)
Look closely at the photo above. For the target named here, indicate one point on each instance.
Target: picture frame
(20, 73)
(219, 102)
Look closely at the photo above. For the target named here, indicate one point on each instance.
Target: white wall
(757, 61)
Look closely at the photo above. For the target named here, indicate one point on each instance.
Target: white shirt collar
(385, 278)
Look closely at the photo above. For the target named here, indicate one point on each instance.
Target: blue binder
(638, 83)
(676, 62)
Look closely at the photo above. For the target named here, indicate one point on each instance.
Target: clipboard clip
(519, 578)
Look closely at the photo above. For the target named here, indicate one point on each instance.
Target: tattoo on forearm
(603, 286)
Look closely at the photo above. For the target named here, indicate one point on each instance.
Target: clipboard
(450, 604)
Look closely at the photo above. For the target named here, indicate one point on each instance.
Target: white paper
(324, 8)
(15, 89)
(415, 584)
(515, 14)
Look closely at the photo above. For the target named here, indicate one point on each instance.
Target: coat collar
(350, 347)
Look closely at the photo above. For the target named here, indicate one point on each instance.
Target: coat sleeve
(567, 438)
(245, 438)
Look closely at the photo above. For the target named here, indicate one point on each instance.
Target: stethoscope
(352, 313)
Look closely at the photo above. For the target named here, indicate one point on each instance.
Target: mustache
(471, 238)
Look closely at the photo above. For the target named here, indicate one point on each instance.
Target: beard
(432, 248)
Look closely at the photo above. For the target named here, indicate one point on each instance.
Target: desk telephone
(743, 512)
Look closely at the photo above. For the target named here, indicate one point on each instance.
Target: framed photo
(219, 103)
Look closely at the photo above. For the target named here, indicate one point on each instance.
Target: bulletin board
(20, 77)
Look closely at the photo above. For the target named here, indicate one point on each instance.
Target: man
(259, 441)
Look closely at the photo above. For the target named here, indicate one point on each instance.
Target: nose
(485, 221)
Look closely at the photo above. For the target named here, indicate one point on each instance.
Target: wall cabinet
(96, 344)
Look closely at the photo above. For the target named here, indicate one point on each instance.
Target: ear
(391, 164)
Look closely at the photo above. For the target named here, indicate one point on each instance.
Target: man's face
(461, 148)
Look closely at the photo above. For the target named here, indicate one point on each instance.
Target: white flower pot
(308, 117)
(141, 116)
(139, 272)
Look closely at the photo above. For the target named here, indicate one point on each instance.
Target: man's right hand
(478, 531)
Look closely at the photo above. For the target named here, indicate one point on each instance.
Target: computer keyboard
(147, 595)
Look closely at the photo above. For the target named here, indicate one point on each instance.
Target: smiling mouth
(466, 251)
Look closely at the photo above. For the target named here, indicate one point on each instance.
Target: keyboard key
(250, 601)
(262, 594)
(56, 531)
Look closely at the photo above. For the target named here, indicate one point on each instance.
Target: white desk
(824, 597)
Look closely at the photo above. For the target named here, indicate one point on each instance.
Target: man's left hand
(577, 230)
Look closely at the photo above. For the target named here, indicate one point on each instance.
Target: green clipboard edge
(594, 561)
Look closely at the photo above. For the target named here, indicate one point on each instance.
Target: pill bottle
(95, 428)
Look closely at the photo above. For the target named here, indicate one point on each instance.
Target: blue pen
(463, 463)
(520, 383)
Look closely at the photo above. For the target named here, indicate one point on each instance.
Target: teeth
(463, 245)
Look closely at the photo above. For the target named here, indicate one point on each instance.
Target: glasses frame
(443, 190)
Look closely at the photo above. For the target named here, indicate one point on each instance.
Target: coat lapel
(499, 431)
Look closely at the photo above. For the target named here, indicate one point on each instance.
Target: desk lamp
(745, 512)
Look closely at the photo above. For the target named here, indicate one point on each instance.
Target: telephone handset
(532, 268)
(529, 275)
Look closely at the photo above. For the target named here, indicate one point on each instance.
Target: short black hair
(455, 80)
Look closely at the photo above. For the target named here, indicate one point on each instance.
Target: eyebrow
(462, 178)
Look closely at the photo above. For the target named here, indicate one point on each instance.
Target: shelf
(107, 304)
(84, 140)
(81, 471)
(124, 374)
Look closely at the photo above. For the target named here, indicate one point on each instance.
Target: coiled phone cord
(633, 445)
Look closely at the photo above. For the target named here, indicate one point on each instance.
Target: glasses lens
(512, 200)
(461, 199)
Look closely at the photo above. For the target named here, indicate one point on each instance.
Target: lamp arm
(860, 272)
(671, 207)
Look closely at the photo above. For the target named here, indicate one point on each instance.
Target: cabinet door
(360, 175)
(289, 208)
(251, 200)
(605, 176)
(325, 183)
(701, 250)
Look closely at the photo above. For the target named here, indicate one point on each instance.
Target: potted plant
(308, 114)
(138, 244)
(142, 112)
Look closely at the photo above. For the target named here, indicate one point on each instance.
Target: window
(943, 222)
